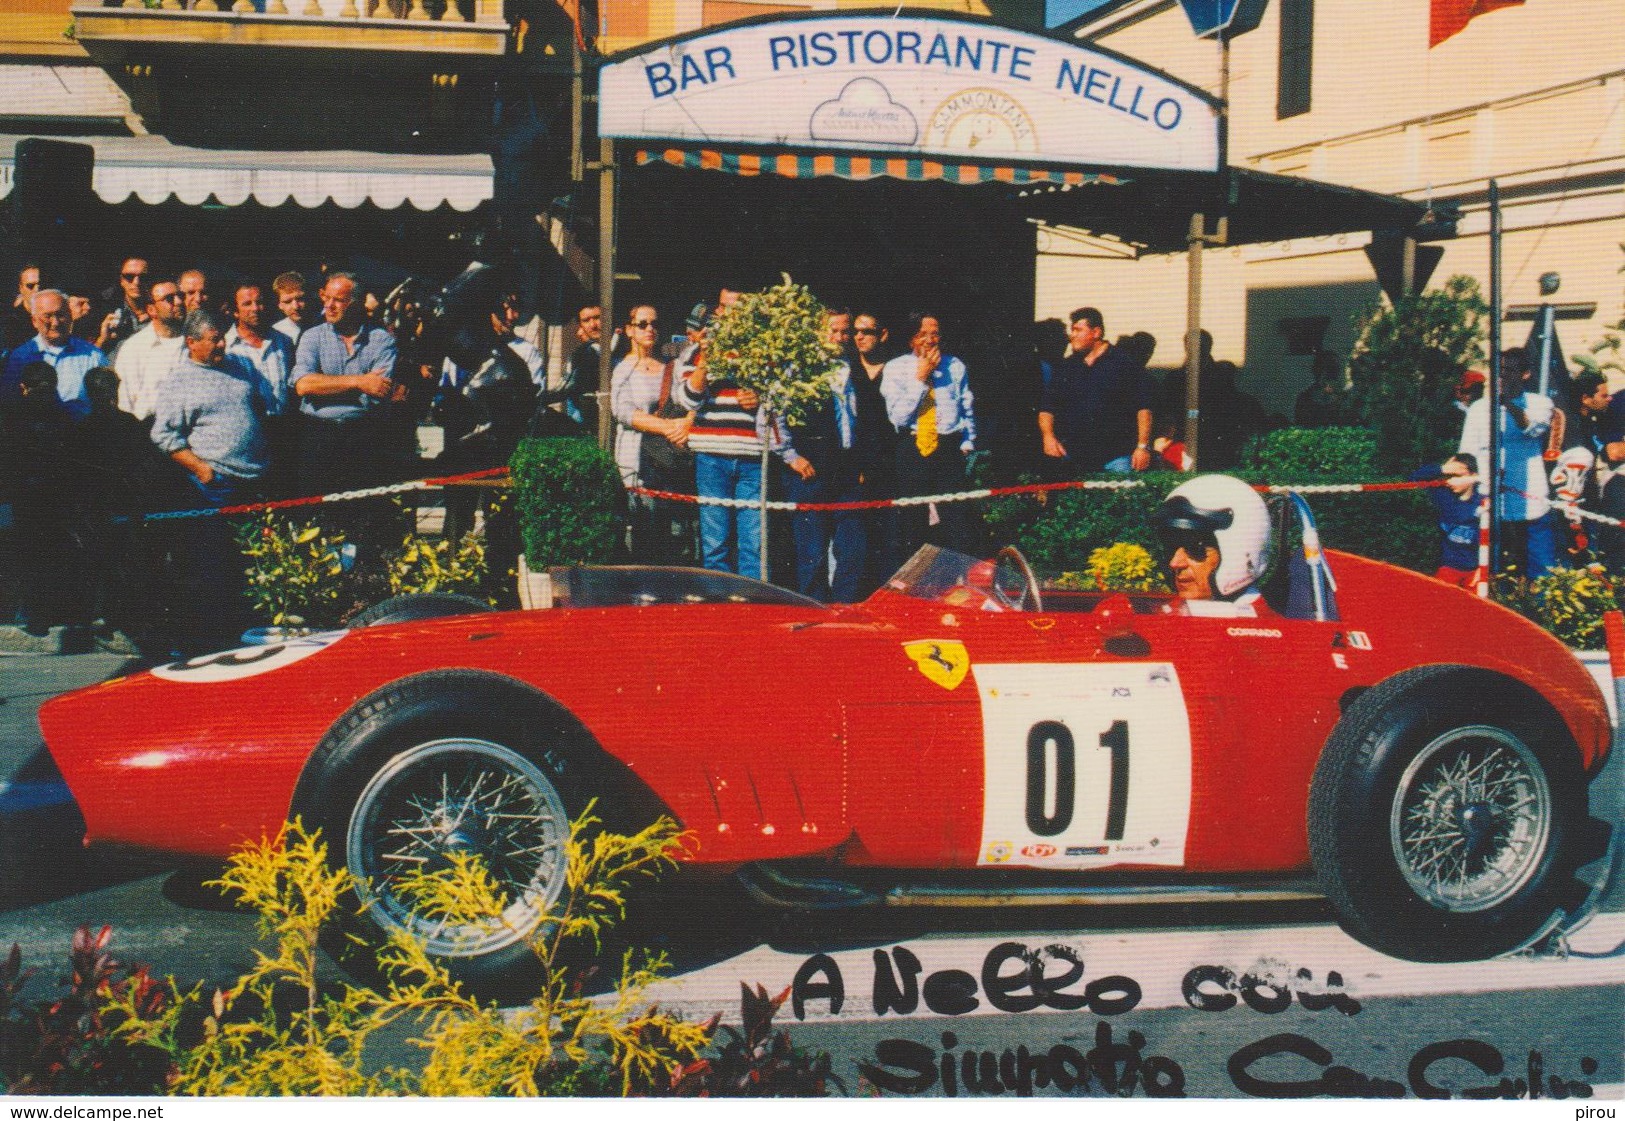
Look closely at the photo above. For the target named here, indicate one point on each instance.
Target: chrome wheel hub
(1472, 819)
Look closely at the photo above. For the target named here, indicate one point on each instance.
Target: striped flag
(1450, 16)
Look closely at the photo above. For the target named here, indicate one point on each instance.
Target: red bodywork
(784, 731)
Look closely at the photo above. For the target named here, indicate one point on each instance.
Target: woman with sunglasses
(635, 391)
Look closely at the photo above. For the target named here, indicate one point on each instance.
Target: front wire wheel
(1471, 819)
(469, 796)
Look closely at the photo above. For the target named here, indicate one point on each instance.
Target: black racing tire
(394, 783)
(413, 606)
(1448, 816)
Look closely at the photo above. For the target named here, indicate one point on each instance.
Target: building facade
(1351, 92)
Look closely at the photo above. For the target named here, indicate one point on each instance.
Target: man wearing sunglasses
(19, 321)
(127, 304)
(148, 356)
(1215, 536)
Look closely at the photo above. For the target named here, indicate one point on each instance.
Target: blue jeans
(728, 476)
(818, 531)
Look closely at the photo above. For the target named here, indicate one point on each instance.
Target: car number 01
(1046, 732)
(1060, 745)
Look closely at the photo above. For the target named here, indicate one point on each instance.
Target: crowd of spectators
(902, 422)
(1568, 444)
(162, 394)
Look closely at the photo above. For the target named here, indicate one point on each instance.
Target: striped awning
(152, 169)
(793, 165)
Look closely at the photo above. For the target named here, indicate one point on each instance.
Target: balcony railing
(362, 11)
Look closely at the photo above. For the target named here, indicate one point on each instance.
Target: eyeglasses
(866, 330)
(167, 298)
(644, 324)
(133, 275)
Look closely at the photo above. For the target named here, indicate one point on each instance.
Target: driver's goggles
(1195, 544)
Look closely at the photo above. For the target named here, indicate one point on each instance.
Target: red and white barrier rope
(1571, 510)
(1005, 492)
(316, 500)
(745, 503)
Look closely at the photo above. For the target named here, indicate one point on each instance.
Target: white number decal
(1084, 766)
(232, 665)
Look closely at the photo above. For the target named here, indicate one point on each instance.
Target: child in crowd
(1456, 504)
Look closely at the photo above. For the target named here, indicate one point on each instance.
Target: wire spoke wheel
(1472, 819)
(468, 796)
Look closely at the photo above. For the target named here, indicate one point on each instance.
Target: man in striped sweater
(727, 440)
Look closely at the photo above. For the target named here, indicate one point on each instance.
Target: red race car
(1417, 756)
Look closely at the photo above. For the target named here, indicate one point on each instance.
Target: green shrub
(438, 564)
(1118, 568)
(1349, 453)
(775, 342)
(569, 499)
(1059, 530)
(1406, 363)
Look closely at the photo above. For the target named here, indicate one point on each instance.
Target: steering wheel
(1029, 592)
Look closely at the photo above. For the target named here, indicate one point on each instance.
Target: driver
(1215, 532)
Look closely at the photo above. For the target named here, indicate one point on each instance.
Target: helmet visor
(1195, 542)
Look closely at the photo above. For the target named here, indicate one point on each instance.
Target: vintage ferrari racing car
(1418, 756)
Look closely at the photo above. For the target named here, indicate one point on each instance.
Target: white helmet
(1233, 515)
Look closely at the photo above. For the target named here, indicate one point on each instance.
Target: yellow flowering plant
(1122, 567)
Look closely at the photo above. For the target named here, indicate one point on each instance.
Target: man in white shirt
(1523, 420)
(268, 351)
(147, 356)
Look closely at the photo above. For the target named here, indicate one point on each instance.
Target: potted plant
(776, 343)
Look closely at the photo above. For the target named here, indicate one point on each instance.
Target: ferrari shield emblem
(943, 662)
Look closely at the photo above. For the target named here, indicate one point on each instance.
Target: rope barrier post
(1492, 388)
(762, 507)
(606, 283)
(1194, 244)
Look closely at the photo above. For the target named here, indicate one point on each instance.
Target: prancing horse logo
(943, 662)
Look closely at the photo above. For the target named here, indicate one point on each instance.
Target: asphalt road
(1219, 1001)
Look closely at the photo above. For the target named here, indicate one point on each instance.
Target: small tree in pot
(775, 342)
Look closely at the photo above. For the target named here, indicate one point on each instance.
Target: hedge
(1058, 534)
(569, 501)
